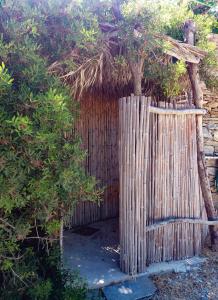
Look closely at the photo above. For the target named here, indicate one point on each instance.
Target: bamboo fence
(160, 207)
(158, 181)
(98, 127)
(133, 159)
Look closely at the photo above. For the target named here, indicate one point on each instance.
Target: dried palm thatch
(183, 51)
(102, 71)
(109, 71)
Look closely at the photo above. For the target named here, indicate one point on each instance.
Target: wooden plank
(170, 111)
(167, 222)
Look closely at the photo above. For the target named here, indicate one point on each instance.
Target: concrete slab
(96, 256)
(135, 289)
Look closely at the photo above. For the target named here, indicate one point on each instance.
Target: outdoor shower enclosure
(145, 155)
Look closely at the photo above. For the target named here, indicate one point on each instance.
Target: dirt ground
(199, 283)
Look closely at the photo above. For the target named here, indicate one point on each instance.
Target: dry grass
(106, 70)
(199, 283)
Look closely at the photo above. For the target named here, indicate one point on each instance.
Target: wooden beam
(171, 111)
(179, 221)
(211, 157)
(193, 71)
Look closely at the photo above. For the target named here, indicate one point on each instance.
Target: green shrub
(41, 173)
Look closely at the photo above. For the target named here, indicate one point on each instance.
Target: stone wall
(211, 152)
(210, 130)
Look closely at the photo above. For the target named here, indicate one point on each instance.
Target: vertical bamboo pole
(133, 159)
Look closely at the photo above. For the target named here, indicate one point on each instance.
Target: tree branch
(6, 223)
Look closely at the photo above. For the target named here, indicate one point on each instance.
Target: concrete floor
(94, 251)
(96, 256)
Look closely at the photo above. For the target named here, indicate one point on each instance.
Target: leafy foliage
(204, 6)
(168, 17)
(118, 33)
(42, 177)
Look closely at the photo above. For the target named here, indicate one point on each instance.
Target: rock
(207, 133)
(209, 150)
(211, 171)
(213, 190)
(212, 126)
(212, 105)
(215, 202)
(211, 143)
(211, 162)
(215, 197)
(215, 135)
(134, 289)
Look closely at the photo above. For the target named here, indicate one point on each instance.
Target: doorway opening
(94, 251)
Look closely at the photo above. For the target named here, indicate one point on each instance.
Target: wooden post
(189, 37)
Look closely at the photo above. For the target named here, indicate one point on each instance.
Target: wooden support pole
(189, 34)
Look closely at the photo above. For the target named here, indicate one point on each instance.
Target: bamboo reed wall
(158, 180)
(98, 127)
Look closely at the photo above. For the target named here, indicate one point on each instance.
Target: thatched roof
(102, 72)
(183, 51)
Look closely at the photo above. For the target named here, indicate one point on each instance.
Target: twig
(17, 276)
(6, 223)
(40, 238)
(11, 258)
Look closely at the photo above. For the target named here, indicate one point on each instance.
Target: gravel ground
(199, 283)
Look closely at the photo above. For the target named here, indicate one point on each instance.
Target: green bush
(41, 173)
